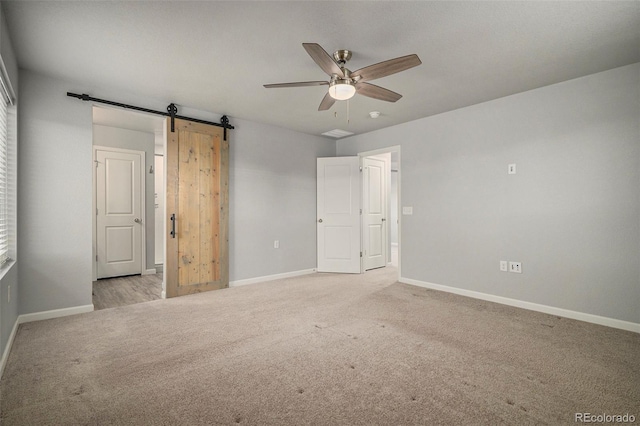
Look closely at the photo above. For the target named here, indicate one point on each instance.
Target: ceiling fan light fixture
(344, 84)
(341, 90)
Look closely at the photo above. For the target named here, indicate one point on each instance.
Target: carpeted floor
(322, 349)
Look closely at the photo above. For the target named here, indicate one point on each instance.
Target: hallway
(122, 291)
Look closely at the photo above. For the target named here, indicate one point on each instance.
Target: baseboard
(566, 313)
(150, 272)
(271, 277)
(7, 349)
(56, 313)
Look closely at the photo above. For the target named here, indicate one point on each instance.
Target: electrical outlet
(503, 266)
(276, 244)
(515, 267)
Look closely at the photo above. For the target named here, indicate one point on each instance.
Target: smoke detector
(374, 114)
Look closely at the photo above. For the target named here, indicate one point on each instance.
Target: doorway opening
(127, 132)
(358, 222)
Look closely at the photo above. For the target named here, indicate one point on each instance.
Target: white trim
(149, 272)
(385, 150)
(55, 313)
(566, 313)
(7, 349)
(255, 280)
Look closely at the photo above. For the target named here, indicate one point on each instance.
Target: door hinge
(96, 257)
(96, 212)
(360, 211)
(360, 168)
(360, 254)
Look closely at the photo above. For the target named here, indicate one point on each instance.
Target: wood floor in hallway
(122, 291)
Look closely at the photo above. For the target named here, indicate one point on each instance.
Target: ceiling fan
(344, 84)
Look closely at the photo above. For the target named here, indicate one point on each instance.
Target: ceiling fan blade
(377, 92)
(323, 59)
(327, 102)
(298, 84)
(383, 69)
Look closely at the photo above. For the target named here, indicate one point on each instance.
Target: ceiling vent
(337, 133)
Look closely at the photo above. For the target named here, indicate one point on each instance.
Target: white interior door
(338, 214)
(119, 225)
(374, 196)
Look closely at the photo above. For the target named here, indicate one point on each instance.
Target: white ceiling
(216, 56)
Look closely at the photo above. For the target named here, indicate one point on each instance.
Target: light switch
(512, 169)
(408, 211)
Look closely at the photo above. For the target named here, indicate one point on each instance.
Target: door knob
(137, 220)
(319, 220)
(383, 219)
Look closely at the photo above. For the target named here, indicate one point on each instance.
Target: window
(6, 100)
(4, 225)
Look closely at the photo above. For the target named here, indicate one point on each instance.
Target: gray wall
(9, 274)
(55, 177)
(571, 214)
(272, 193)
(273, 197)
(139, 141)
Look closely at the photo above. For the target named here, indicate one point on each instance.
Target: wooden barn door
(197, 208)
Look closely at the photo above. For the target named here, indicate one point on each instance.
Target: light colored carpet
(315, 350)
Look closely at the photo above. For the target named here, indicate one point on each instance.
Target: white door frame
(390, 149)
(143, 242)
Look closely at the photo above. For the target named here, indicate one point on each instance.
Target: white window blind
(4, 220)
(4, 172)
